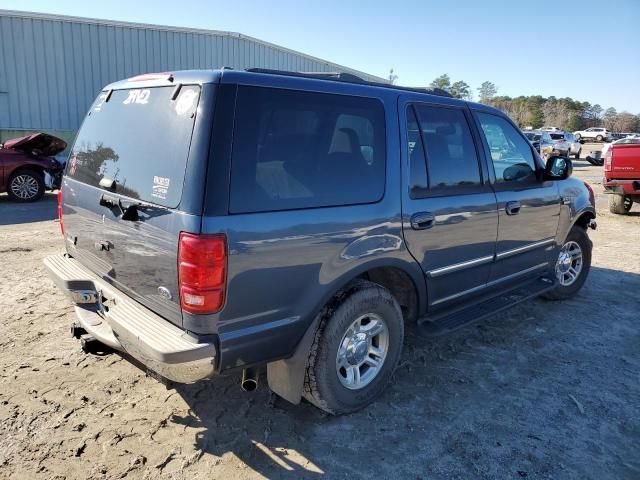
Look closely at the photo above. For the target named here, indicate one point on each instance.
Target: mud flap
(286, 377)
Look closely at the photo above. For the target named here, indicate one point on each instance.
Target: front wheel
(572, 265)
(26, 186)
(599, 138)
(355, 350)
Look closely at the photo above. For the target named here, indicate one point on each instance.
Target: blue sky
(562, 48)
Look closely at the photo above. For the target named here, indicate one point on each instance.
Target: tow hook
(592, 224)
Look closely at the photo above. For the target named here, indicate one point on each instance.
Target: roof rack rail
(349, 78)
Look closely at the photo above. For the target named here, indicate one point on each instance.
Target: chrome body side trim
(460, 266)
(525, 248)
(492, 283)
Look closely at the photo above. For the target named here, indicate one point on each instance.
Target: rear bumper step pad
(128, 326)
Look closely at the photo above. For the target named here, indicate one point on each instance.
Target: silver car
(575, 147)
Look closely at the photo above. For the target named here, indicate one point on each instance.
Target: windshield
(139, 139)
(557, 136)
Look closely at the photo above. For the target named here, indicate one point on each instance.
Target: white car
(599, 134)
(628, 139)
(550, 129)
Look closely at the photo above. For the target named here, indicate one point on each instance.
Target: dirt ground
(545, 390)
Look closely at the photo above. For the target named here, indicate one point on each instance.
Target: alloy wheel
(362, 351)
(24, 186)
(569, 264)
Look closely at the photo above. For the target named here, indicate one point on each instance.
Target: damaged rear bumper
(116, 320)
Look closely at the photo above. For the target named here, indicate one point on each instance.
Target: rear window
(139, 138)
(557, 136)
(301, 149)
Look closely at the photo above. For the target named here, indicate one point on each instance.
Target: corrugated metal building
(51, 66)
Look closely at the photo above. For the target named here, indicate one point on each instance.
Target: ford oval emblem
(164, 292)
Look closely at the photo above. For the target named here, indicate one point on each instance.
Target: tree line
(536, 111)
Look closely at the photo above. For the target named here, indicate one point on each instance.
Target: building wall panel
(52, 67)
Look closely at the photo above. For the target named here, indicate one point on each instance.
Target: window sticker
(160, 187)
(137, 96)
(186, 101)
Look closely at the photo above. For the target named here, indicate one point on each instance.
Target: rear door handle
(422, 220)
(513, 208)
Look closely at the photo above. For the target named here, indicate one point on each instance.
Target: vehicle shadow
(451, 399)
(15, 213)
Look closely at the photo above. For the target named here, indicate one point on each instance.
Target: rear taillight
(60, 211)
(608, 159)
(202, 272)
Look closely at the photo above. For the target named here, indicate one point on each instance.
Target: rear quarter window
(295, 149)
(140, 138)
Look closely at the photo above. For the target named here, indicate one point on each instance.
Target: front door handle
(513, 208)
(422, 220)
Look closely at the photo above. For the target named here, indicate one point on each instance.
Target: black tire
(599, 138)
(322, 387)
(561, 292)
(578, 138)
(25, 186)
(619, 204)
(577, 155)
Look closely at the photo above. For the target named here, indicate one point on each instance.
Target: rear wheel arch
(286, 377)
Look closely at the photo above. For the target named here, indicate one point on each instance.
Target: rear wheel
(572, 265)
(619, 204)
(355, 350)
(599, 138)
(578, 137)
(26, 186)
(577, 155)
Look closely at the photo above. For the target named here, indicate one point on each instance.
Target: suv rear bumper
(116, 320)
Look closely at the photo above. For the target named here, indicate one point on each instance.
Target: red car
(27, 166)
(622, 174)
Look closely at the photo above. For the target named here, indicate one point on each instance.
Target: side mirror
(558, 168)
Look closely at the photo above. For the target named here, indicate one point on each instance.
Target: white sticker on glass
(186, 101)
(160, 187)
(137, 96)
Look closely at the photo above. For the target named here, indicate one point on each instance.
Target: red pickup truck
(622, 175)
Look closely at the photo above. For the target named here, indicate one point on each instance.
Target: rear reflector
(60, 211)
(202, 272)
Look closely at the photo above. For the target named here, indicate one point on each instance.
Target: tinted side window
(451, 154)
(302, 149)
(510, 153)
(418, 185)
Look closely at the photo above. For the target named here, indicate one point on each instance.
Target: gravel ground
(545, 390)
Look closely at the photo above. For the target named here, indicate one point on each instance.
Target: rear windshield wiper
(128, 209)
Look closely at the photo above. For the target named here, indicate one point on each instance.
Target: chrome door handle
(513, 208)
(422, 220)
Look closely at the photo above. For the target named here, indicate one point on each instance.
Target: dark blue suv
(218, 220)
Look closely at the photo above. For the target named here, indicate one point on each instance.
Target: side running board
(434, 327)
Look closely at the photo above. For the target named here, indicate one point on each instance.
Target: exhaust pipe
(249, 379)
